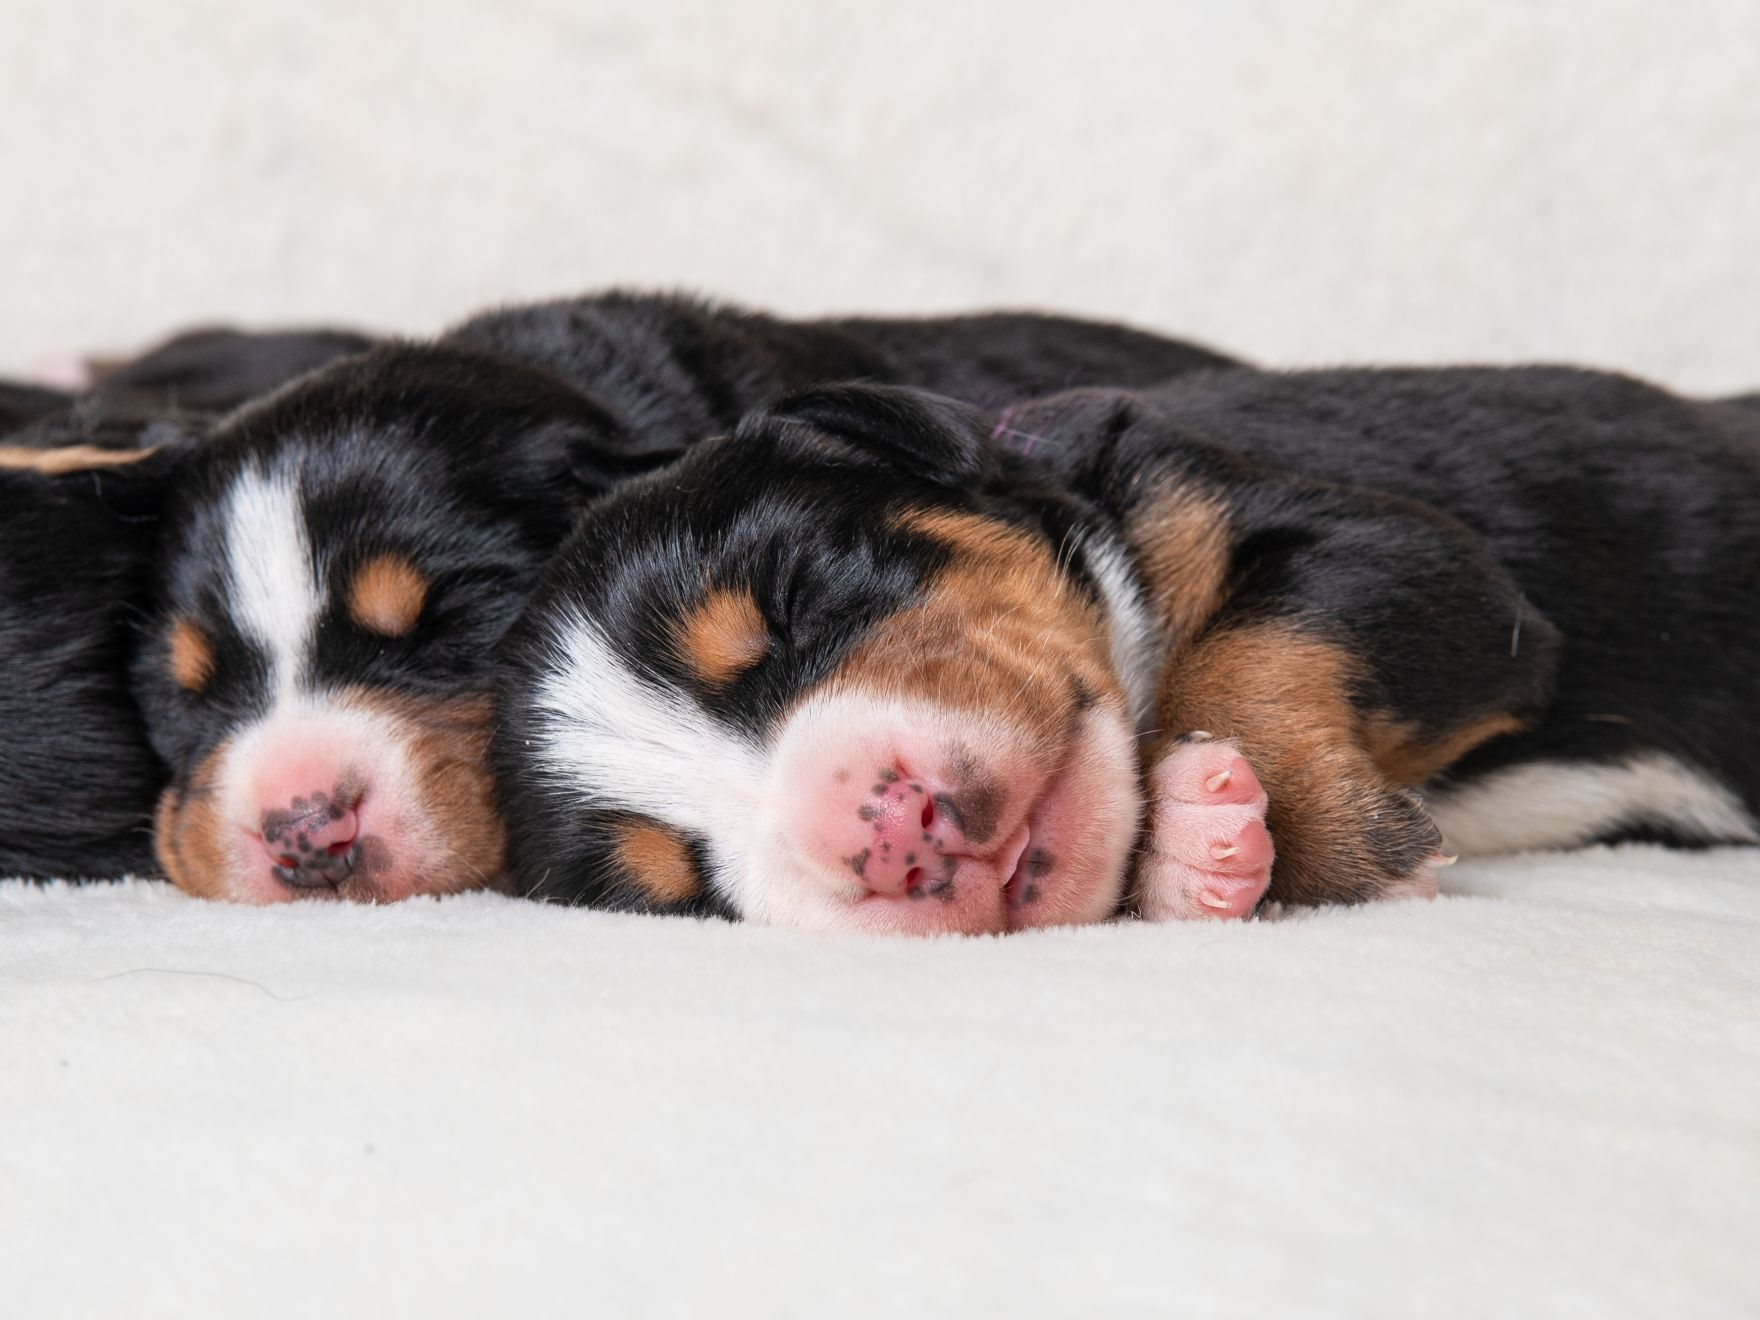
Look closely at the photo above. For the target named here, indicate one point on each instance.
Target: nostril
(341, 848)
(913, 877)
(928, 814)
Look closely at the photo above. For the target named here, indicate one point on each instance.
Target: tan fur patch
(191, 656)
(1343, 831)
(449, 746)
(1410, 759)
(68, 458)
(659, 864)
(1181, 540)
(1002, 629)
(387, 595)
(724, 636)
(188, 834)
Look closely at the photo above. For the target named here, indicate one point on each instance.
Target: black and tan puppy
(82, 480)
(343, 557)
(875, 663)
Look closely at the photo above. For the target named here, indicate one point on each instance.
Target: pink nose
(311, 843)
(909, 834)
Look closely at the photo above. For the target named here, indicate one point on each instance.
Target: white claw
(1210, 900)
(1217, 780)
(1222, 854)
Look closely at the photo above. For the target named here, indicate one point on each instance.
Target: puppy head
(846, 669)
(339, 562)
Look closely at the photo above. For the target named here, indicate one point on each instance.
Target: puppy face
(839, 671)
(340, 562)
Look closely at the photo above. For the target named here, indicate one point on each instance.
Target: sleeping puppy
(876, 663)
(79, 780)
(82, 480)
(342, 559)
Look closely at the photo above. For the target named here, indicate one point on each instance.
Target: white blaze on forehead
(275, 596)
(1131, 633)
(619, 743)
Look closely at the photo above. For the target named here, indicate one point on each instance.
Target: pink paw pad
(1209, 852)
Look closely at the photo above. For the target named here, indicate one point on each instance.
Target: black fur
(216, 368)
(78, 779)
(673, 370)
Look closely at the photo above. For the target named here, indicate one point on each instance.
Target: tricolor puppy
(872, 663)
(82, 480)
(342, 559)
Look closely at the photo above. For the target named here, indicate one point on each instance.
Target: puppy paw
(1209, 854)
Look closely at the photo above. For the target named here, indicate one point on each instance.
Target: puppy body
(78, 780)
(672, 370)
(1527, 591)
(344, 556)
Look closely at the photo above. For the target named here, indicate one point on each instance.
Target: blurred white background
(1299, 182)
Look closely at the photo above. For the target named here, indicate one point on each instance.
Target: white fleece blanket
(1538, 1095)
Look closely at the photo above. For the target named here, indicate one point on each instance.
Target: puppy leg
(1365, 646)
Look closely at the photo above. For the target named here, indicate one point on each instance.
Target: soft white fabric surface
(1537, 1096)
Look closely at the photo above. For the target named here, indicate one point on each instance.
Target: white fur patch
(1132, 637)
(275, 596)
(625, 744)
(1561, 804)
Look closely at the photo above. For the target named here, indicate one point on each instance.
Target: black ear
(925, 435)
(599, 460)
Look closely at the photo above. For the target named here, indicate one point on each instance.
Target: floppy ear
(917, 432)
(598, 461)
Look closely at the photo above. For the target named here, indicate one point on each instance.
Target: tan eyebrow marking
(387, 595)
(723, 636)
(192, 656)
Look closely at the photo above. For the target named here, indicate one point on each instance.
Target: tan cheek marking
(68, 458)
(387, 595)
(448, 747)
(723, 637)
(188, 835)
(659, 863)
(1182, 542)
(192, 656)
